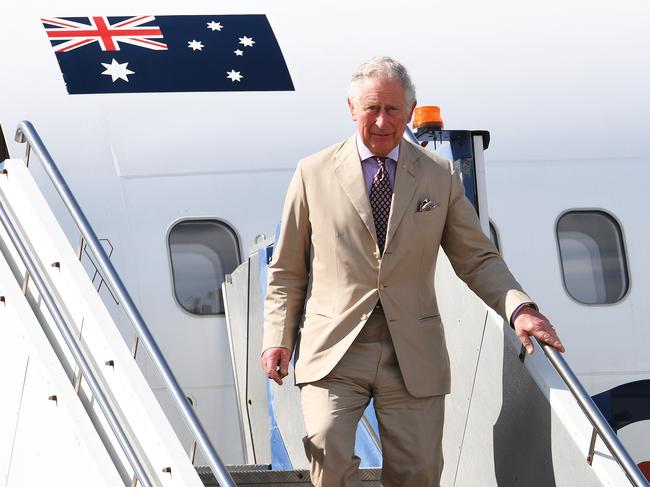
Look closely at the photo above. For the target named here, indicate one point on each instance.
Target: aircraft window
(594, 266)
(494, 236)
(202, 253)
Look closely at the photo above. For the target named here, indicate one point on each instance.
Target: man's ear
(411, 112)
(353, 110)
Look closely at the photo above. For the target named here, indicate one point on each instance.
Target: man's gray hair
(382, 67)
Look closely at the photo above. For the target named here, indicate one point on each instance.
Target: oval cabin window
(592, 255)
(202, 252)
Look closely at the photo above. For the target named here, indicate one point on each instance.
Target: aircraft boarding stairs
(77, 410)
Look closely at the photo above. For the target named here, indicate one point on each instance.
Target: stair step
(247, 467)
(262, 476)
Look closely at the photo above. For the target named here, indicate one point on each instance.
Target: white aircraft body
(561, 86)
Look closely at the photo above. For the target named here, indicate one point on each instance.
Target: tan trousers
(410, 428)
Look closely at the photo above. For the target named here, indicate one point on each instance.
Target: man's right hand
(275, 363)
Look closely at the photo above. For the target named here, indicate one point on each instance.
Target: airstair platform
(264, 476)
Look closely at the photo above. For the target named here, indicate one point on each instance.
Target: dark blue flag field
(169, 53)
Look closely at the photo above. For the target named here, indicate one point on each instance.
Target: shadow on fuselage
(522, 433)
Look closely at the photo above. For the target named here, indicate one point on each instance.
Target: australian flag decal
(169, 53)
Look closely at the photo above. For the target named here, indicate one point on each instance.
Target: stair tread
(261, 476)
(243, 467)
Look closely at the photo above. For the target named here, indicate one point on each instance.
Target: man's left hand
(530, 322)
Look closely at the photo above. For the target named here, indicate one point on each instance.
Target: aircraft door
(4, 151)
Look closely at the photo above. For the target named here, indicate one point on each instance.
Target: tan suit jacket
(327, 274)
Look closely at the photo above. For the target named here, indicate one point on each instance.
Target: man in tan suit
(351, 288)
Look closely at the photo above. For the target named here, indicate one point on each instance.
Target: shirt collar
(365, 153)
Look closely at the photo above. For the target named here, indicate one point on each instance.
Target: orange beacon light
(427, 119)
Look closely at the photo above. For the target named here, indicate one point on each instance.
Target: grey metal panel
(256, 397)
(499, 428)
(249, 376)
(262, 478)
(511, 419)
(463, 315)
(286, 398)
(244, 308)
(236, 301)
(286, 401)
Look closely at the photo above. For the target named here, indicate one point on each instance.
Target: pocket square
(427, 205)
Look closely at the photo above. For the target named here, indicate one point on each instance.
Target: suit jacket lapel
(406, 181)
(350, 177)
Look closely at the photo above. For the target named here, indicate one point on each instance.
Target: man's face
(381, 113)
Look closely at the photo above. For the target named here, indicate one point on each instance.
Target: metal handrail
(78, 355)
(595, 416)
(26, 132)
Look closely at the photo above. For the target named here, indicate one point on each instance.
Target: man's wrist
(518, 310)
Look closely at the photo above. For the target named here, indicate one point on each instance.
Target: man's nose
(380, 121)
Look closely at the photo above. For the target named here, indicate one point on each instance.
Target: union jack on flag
(99, 29)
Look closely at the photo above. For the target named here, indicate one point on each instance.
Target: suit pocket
(421, 216)
(318, 314)
(430, 320)
(427, 220)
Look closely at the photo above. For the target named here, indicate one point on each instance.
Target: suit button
(375, 254)
(381, 287)
(364, 317)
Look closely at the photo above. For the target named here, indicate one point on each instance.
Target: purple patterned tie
(380, 198)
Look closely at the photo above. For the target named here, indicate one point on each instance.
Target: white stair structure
(46, 419)
(83, 411)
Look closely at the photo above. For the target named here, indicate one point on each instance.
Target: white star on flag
(234, 75)
(215, 26)
(117, 70)
(195, 45)
(238, 52)
(246, 41)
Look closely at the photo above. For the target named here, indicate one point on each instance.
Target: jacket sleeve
(289, 270)
(474, 257)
